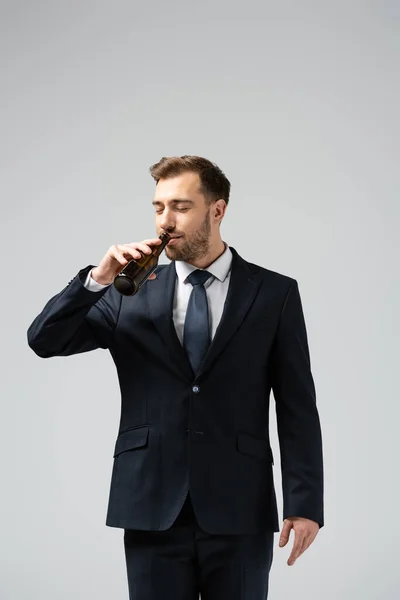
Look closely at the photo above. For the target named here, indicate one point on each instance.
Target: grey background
(298, 103)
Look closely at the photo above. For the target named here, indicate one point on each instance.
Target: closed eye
(179, 209)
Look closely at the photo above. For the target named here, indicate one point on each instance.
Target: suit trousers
(184, 561)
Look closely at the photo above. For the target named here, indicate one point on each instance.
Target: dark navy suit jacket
(207, 430)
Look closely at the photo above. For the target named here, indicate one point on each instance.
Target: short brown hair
(214, 184)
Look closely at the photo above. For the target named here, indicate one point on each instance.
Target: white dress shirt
(216, 290)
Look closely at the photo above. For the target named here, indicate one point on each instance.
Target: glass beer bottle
(129, 281)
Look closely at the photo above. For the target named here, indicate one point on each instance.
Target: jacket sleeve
(298, 423)
(75, 320)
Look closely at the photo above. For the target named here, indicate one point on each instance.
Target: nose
(165, 221)
(167, 227)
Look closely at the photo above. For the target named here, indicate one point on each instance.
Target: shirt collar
(219, 268)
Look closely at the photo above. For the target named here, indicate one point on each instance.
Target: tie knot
(198, 277)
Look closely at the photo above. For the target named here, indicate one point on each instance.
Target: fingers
(297, 549)
(117, 253)
(303, 538)
(284, 537)
(144, 246)
(306, 543)
(125, 252)
(300, 541)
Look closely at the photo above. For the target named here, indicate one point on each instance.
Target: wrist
(98, 278)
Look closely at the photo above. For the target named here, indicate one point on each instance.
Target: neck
(215, 252)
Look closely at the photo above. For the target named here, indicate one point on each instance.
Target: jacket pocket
(248, 444)
(130, 439)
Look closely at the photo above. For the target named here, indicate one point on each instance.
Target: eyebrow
(173, 201)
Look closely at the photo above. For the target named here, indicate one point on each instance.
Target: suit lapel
(160, 297)
(242, 290)
(160, 294)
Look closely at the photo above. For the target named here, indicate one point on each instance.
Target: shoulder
(274, 279)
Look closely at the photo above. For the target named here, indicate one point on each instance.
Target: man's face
(182, 211)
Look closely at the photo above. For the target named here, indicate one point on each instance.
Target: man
(198, 350)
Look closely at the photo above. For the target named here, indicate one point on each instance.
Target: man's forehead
(178, 189)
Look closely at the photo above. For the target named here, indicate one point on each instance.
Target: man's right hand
(118, 256)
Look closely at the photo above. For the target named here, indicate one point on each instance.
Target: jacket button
(196, 389)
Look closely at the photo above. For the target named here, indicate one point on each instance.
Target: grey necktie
(196, 335)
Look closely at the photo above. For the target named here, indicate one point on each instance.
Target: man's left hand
(305, 532)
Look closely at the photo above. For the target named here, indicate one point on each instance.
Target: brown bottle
(132, 277)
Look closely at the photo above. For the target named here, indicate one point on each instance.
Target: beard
(190, 249)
